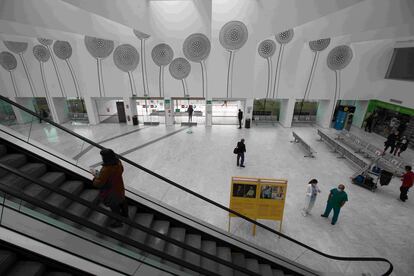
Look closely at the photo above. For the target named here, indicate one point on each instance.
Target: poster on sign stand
(258, 198)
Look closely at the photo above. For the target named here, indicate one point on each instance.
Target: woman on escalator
(109, 181)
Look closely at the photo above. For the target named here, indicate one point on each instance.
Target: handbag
(236, 150)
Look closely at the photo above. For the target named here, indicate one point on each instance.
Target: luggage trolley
(370, 175)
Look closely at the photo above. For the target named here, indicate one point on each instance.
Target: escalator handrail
(39, 203)
(388, 272)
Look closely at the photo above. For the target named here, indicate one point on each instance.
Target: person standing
(336, 200)
(407, 182)
(109, 181)
(311, 194)
(190, 113)
(241, 149)
(391, 141)
(401, 146)
(368, 123)
(240, 116)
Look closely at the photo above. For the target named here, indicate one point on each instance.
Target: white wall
(369, 27)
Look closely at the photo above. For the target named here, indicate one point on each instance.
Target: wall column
(209, 112)
(91, 110)
(324, 113)
(287, 107)
(248, 110)
(169, 111)
(130, 109)
(61, 109)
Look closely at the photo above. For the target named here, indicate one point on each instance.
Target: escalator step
(3, 150)
(60, 201)
(34, 170)
(211, 248)
(56, 273)
(27, 268)
(278, 272)
(193, 258)
(7, 259)
(252, 265)
(176, 233)
(14, 160)
(162, 227)
(265, 270)
(144, 219)
(99, 219)
(240, 260)
(79, 209)
(132, 210)
(225, 254)
(52, 178)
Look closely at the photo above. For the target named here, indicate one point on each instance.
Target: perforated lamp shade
(233, 35)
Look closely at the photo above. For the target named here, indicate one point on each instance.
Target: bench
(387, 161)
(309, 150)
(343, 152)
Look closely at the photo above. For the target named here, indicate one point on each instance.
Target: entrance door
(225, 112)
(121, 112)
(181, 106)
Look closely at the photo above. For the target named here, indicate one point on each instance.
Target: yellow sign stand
(258, 198)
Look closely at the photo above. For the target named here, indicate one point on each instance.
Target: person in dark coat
(368, 123)
(240, 116)
(109, 181)
(401, 145)
(241, 149)
(391, 141)
(190, 113)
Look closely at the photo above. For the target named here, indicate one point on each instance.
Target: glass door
(225, 112)
(181, 106)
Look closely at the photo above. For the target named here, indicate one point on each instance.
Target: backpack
(236, 150)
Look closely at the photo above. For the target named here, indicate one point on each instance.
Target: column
(324, 113)
(20, 116)
(287, 107)
(169, 111)
(209, 112)
(248, 109)
(91, 110)
(61, 108)
(130, 109)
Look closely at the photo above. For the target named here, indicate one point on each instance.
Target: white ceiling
(115, 19)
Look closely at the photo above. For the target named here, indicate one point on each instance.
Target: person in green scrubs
(337, 199)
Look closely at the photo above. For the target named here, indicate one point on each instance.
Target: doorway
(151, 111)
(266, 111)
(77, 110)
(107, 110)
(181, 106)
(225, 111)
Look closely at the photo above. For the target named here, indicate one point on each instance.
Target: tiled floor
(371, 224)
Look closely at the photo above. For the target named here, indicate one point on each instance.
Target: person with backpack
(109, 181)
(240, 150)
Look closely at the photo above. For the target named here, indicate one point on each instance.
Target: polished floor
(373, 224)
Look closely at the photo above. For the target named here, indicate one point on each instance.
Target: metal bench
(342, 151)
(309, 150)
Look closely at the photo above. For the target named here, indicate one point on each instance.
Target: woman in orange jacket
(109, 181)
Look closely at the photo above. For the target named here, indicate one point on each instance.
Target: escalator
(55, 201)
(42, 184)
(16, 261)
